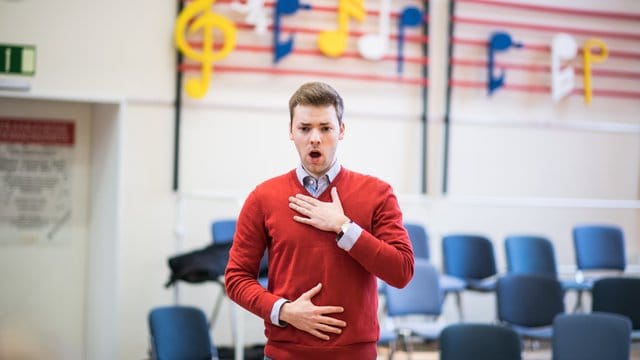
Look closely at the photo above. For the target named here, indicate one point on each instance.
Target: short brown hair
(316, 94)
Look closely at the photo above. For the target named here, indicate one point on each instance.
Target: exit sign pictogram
(17, 59)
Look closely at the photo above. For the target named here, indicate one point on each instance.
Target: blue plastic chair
(619, 295)
(479, 342)
(421, 297)
(528, 254)
(180, 332)
(419, 240)
(223, 231)
(529, 303)
(598, 248)
(594, 336)
(469, 259)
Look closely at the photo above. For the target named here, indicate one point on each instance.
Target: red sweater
(301, 256)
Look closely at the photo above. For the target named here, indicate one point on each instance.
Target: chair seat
(484, 285)
(576, 285)
(429, 330)
(450, 283)
(541, 333)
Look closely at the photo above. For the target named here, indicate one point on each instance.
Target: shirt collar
(301, 172)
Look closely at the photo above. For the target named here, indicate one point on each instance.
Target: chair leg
(459, 305)
(216, 308)
(578, 308)
(392, 348)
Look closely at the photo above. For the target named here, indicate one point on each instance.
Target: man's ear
(341, 136)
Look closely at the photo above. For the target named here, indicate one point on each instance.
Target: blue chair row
(593, 336)
(181, 332)
(529, 303)
(469, 260)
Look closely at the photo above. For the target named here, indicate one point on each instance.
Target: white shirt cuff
(275, 312)
(350, 236)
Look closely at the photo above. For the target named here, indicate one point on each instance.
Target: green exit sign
(17, 59)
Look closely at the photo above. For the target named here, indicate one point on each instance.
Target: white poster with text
(35, 180)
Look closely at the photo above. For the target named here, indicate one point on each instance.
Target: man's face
(315, 131)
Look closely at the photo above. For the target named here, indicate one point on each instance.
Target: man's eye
(304, 129)
(326, 128)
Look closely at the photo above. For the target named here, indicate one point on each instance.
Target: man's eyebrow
(326, 123)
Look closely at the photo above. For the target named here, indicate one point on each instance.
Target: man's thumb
(313, 291)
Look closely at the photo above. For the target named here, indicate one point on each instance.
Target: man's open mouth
(315, 154)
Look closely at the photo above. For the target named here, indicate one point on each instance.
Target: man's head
(316, 126)
(316, 94)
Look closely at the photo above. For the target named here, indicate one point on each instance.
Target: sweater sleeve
(249, 244)
(386, 251)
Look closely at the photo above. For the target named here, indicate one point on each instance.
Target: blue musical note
(284, 7)
(499, 41)
(410, 16)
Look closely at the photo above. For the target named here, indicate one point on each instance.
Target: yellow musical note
(205, 20)
(333, 42)
(588, 57)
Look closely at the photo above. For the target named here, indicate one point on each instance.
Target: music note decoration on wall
(198, 17)
(557, 77)
(499, 41)
(333, 42)
(220, 33)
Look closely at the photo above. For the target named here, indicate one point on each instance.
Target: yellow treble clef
(205, 20)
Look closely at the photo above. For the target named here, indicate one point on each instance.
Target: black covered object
(206, 264)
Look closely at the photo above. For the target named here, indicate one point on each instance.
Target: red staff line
(544, 89)
(312, 52)
(610, 34)
(544, 48)
(277, 71)
(546, 68)
(321, 8)
(557, 10)
(305, 30)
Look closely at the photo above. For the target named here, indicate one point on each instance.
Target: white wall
(44, 282)
(503, 178)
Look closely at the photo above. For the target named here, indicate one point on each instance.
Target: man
(329, 233)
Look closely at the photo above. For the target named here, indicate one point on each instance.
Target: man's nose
(315, 136)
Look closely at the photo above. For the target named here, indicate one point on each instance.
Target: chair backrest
(593, 336)
(529, 300)
(179, 332)
(618, 295)
(222, 230)
(479, 342)
(422, 296)
(530, 255)
(419, 240)
(468, 256)
(599, 247)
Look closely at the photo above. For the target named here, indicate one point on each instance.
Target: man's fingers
(329, 329)
(303, 220)
(329, 321)
(307, 199)
(318, 334)
(334, 195)
(330, 309)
